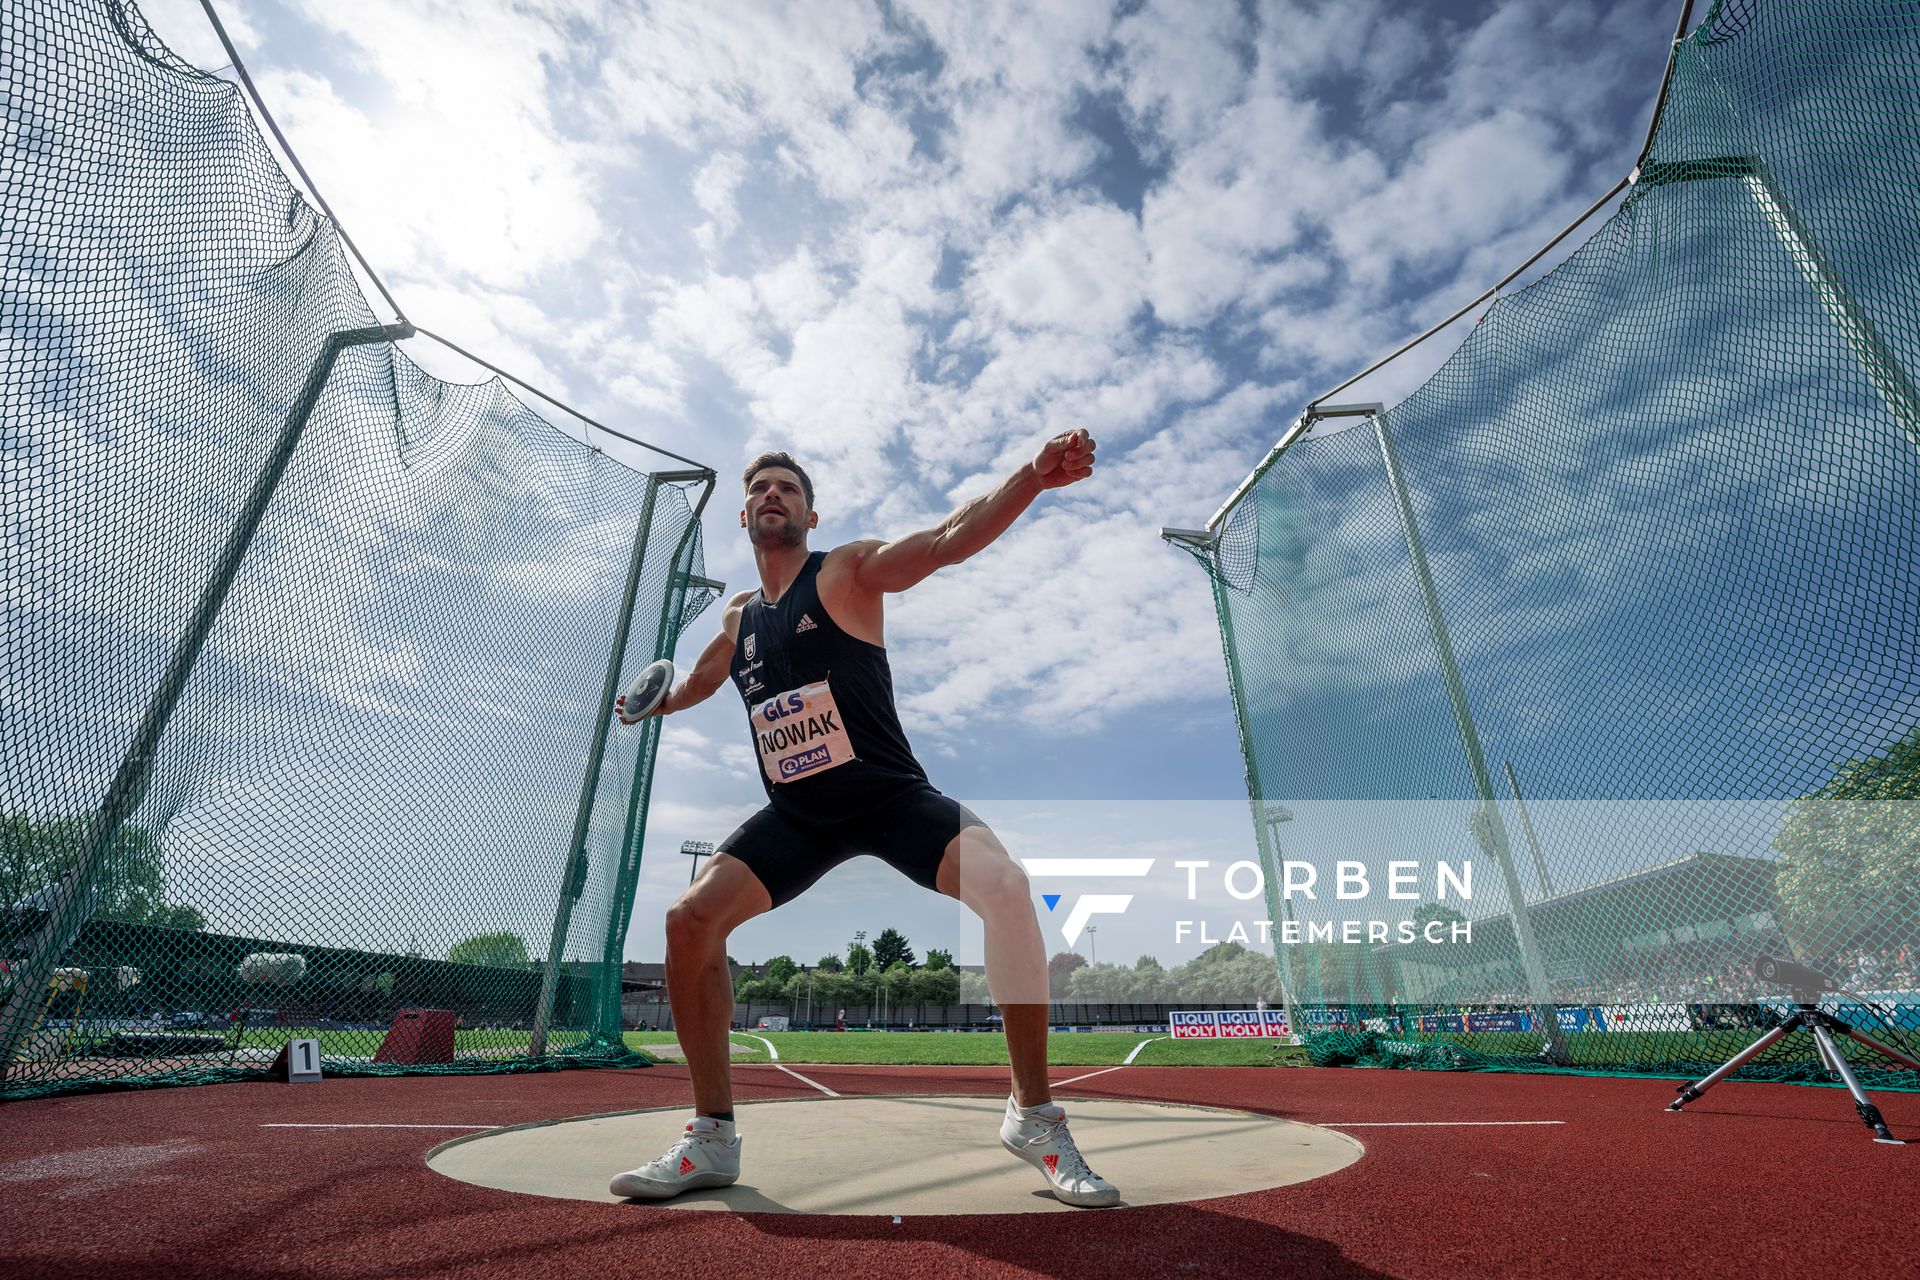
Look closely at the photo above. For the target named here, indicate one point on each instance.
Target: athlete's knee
(692, 923)
(998, 886)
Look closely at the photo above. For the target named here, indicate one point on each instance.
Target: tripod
(1822, 1026)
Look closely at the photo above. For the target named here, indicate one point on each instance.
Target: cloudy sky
(909, 241)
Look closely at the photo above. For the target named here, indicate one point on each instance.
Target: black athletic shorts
(910, 833)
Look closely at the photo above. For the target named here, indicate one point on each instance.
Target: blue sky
(909, 242)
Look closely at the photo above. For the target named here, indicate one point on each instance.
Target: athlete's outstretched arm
(710, 668)
(895, 566)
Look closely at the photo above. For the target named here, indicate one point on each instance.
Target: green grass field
(936, 1048)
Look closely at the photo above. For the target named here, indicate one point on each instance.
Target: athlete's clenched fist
(1064, 459)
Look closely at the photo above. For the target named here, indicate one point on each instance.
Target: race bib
(800, 733)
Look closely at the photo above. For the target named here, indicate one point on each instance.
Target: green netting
(1621, 605)
(364, 797)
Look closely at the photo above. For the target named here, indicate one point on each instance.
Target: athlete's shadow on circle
(1151, 1240)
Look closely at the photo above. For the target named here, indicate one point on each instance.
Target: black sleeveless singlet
(793, 643)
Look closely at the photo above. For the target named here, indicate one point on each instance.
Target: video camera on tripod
(1808, 985)
(1785, 973)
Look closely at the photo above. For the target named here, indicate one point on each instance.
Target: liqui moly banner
(1228, 1024)
(1193, 1026)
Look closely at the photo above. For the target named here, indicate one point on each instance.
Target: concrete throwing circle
(916, 1156)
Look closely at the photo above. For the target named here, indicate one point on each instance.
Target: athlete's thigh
(977, 869)
(725, 894)
(784, 857)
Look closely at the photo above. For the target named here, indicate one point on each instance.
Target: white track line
(379, 1126)
(775, 1057)
(1129, 1062)
(1422, 1124)
(1058, 1084)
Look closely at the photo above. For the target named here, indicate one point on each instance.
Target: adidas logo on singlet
(806, 624)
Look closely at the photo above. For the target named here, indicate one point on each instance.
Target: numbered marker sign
(303, 1061)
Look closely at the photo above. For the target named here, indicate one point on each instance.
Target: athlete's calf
(699, 985)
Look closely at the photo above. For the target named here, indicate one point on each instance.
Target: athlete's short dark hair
(783, 460)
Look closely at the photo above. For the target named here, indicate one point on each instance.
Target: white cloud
(1459, 190)
(1078, 269)
(182, 25)
(713, 190)
(1180, 67)
(880, 238)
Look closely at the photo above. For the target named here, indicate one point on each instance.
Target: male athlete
(805, 651)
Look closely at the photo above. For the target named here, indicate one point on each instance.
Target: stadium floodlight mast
(695, 849)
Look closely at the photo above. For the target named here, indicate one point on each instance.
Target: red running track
(1753, 1179)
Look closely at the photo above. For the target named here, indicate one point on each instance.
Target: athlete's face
(776, 513)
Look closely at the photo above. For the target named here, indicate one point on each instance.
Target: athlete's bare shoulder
(730, 617)
(845, 559)
(856, 609)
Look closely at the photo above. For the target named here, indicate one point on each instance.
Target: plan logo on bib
(1092, 904)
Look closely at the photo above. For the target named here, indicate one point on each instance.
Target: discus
(645, 694)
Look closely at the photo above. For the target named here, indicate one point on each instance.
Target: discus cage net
(1621, 604)
(309, 654)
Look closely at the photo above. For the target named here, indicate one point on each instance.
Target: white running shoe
(706, 1155)
(1043, 1142)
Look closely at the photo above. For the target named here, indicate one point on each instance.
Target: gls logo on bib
(800, 733)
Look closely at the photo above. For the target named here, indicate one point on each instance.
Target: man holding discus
(806, 654)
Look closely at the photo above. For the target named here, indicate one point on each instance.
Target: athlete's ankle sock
(1045, 1111)
(724, 1117)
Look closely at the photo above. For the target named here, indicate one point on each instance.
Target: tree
(891, 947)
(781, 969)
(179, 916)
(130, 885)
(974, 989)
(933, 986)
(859, 959)
(1112, 982)
(938, 959)
(1224, 974)
(1060, 967)
(830, 964)
(1850, 852)
(493, 950)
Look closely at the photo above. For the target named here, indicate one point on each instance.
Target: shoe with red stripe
(706, 1155)
(1039, 1136)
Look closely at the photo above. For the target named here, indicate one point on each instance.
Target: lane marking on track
(1423, 1124)
(1127, 1063)
(379, 1126)
(775, 1057)
(1090, 1075)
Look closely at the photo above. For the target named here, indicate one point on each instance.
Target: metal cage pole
(72, 900)
(1489, 828)
(1526, 825)
(573, 879)
(639, 793)
(1203, 546)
